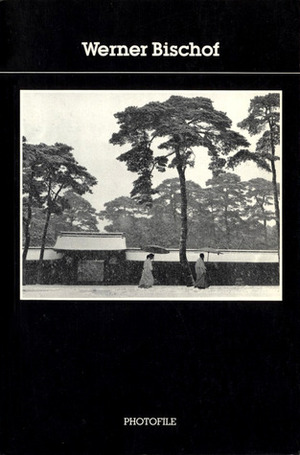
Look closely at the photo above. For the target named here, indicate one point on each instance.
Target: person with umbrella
(200, 269)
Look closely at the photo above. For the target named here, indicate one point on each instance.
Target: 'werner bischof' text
(96, 48)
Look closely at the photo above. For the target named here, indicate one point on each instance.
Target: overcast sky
(85, 121)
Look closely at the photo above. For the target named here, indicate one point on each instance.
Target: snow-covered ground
(123, 292)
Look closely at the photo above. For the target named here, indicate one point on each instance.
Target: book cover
(154, 166)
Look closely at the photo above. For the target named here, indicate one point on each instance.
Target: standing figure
(200, 269)
(147, 279)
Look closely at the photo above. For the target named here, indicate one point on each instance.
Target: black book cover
(93, 364)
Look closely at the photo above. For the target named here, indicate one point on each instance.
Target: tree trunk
(27, 242)
(43, 243)
(213, 233)
(227, 231)
(28, 221)
(27, 234)
(184, 229)
(276, 203)
(265, 226)
(274, 182)
(266, 233)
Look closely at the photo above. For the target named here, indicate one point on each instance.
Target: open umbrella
(155, 249)
(208, 250)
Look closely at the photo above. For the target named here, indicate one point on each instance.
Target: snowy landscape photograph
(150, 194)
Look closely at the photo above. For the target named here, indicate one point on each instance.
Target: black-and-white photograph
(150, 194)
